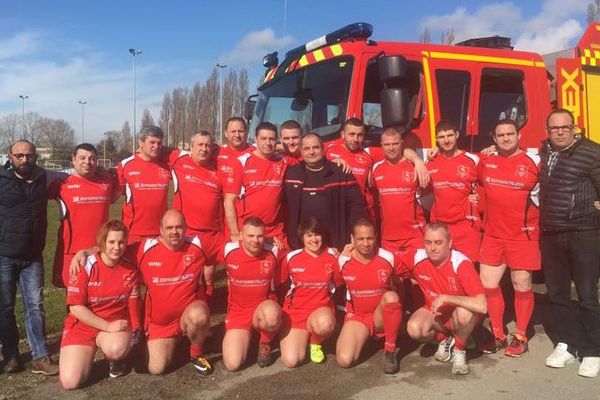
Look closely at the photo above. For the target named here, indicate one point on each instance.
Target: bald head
(172, 229)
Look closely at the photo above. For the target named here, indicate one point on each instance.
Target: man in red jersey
(454, 296)
(252, 303)
(83, 198)
(290, 133)
(236, 135)
(196, 177)
(372, 307)
(145, 181)
(453, 178)
(510, 180)
(257, 187)
(402, 219)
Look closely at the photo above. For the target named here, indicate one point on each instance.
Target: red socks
(495, 305)
(196, 350)
(459, 343)
(392, 318)
(266, 337)
(523, 310)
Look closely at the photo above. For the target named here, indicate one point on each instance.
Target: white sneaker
(560, 357)
(590, 366)
(444, 350)
(460, 366)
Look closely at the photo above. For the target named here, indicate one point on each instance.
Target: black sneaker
(202, 365)
(116, 369)
(390, 362)
(265, 358)
(12, 365)
(493, 345)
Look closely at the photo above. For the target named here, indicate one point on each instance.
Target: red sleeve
(170, 156)
(135, 306)
(77, 289)
(282, 273)
(469, 280)
(233, 183)
(337, 276)
(120, 187)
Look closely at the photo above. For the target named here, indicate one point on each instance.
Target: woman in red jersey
(309, 315)
(98, 298)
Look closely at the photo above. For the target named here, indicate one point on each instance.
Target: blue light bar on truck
(356, 31)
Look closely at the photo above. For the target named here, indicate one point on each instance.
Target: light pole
(222, 67)
(134, 53)
(104, 150)
(23, 98)
(83, 103)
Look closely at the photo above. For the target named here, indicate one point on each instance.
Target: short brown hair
(561, 111)
(265, 126)
(253, 221)
(111, 226)
(151, 130)
(290, 124)
(310, 225)
(434, 226)
(364, 222)
(235, 119)
(354, 122)
(506, 121)
(445, 125)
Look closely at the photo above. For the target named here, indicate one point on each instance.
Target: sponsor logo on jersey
(491, 165)
(297, 270)
(155, 264)
(133, 173)
(433, 171)
(185, 166)
(350, 278)
(95, 283)
(74, 186)
(233, 266)
(424, 277)
(378, 178)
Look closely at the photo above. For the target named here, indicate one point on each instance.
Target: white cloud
(255, 45)
(553, 28)
(18, 45)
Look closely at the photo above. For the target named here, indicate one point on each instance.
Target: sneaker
(590, 366)
(493, 345)
(13, 365)
(265, 358)
(202, 365)
(560, 357)
(316, 354)
(45, 366)
(116, 369)
(460, 366)
(517, 347)
(390, 362)
(444, 350)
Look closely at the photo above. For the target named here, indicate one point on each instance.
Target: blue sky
(59, 52)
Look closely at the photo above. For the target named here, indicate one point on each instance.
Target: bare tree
(448, 36)
(194, 106)
(241, 93)
(147, 119)
(33, 128)
(593, 11)
(210, 105)
(58, 136)
(166, 113)
(126, 138)
(10, 131)
(425, 36)
(178, 126)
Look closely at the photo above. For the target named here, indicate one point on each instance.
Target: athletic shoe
(390, 362)
(13, 365)
(560, 357)
(517, 347)
(590, 366)
(202, 365)
(493, 345)
(265, 358)
(460, 366)
(116, 369)
(444, 350)
(45, 366)
(316, 354)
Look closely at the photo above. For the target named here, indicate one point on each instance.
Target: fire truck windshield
(316, 96)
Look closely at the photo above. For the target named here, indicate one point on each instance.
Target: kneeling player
(308, 310)
(252, 303)
(97, 298)
(372, 308)
(454, 296)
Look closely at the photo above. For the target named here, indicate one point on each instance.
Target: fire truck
(412, 86)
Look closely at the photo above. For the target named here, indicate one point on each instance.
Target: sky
(60, 52)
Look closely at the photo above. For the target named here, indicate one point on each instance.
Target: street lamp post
(23, 98)
(134, 53)
(222, 67)
(83, 103)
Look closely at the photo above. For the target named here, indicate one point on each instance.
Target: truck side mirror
(394, 106)
(249, 107)
(391, 67)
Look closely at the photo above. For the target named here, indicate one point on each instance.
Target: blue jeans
(29, 275)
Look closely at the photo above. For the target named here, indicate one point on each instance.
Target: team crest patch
(406, 177)
(462, 171)
(452, 283)
(73, 280)
(382, 275)
(188, 259)
(277, 169)
(163, 173)
(265, 267)
(127, 281)
(329, 269)
(360, 159)
(522, 171)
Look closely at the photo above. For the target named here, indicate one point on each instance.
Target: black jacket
(568, 193)
(341, 189)
(23, 218)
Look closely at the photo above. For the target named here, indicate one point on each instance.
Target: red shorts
(466, 239)
(298, 319)
(76, 332)
(517, 254)
(367, 319)
(239, 319)
(60, 270)
(213, 243)
(401, 245)
(154, 331)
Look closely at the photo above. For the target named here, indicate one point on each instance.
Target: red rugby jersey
(360, 162)
(455, 277)
(259, 184)
(146, 187)
(251, 279)
(172, 278)
(227, 157)
(83, 206)
(198, 193)
(312, 279)
(452, 180)
(366, 283)
(401, 214)
(104, 290)
(511, 191)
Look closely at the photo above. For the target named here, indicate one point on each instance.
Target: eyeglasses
(20, 156)
(563, 128)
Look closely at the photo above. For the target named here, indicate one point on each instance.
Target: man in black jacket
(570, 240)
(23, 223)
(318, 188)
